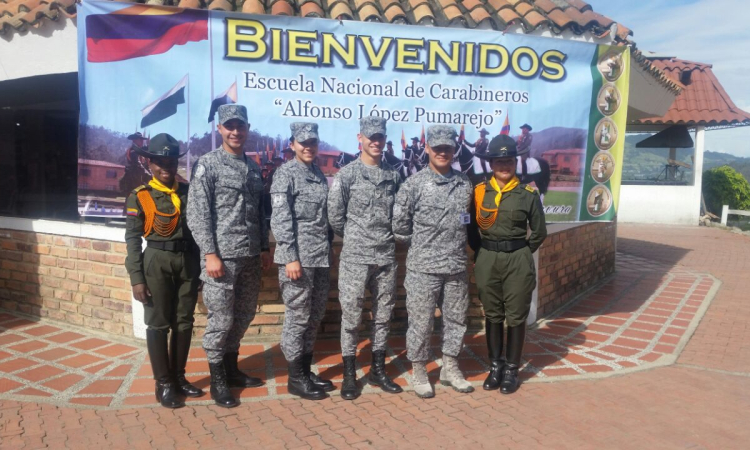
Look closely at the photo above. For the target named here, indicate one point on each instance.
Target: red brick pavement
(636, 325)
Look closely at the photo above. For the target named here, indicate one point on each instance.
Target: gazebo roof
(702, 101)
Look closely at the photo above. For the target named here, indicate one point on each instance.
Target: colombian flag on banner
(506, 127)
(142, 30)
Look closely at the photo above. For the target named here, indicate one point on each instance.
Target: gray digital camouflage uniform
(360, 209)
(225, 215)
(299, 222)
(428, 213)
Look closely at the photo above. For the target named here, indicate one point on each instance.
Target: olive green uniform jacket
(506, 280)
(171, 276)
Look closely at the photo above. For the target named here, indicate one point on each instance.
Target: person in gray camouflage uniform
(299, 222)
(432, 212)
(360, 209)
(226, 217)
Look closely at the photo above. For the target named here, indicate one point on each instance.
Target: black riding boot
(377, 374)
(349, 389)
(220, 392)
(236, 377)
(166, 390)
(326, 385)
(300, 385)
(516, 336)
(179, 348)
(494, 334)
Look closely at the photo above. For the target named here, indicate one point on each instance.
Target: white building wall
(673, 205)
(49, 49)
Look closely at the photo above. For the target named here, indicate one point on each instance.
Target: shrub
(725, 186)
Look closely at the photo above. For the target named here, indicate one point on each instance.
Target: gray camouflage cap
(303, 131)
(438, 135)
(371, 125)
(229, 112)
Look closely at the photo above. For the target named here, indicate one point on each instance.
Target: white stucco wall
(49, 49)
(674, 205)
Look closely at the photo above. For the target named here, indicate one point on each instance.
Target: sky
(707, 31)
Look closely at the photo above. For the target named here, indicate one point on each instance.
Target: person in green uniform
(165, 275)
(502, 211)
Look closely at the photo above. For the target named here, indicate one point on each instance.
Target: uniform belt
(171, 246)
(504, 246)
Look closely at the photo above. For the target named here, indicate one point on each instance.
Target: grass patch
(561, 198)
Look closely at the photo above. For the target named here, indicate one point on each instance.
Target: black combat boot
(236, 377)
(349, 389)
(326, 385)
(494, 334)
(220, 392)
(516, 336)
(377, 374)
(166, 390)
(300, 385)
(179, 348)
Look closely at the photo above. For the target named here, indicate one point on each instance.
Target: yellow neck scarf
(508, 187)
(485, 222)
(156, 184)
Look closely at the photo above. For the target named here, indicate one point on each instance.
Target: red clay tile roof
(558, 15)
(702, 101)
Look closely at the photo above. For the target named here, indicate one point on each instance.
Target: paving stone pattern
(636, 320)
(656, 357)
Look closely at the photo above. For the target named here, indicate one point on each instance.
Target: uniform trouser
(381, 281)
(172, 278)
(305, 302)
(424, 292)
(231, 301)
(505, 282)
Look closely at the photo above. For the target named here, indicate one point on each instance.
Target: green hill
(647, 163)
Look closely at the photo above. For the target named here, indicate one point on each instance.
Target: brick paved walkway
(672, 320)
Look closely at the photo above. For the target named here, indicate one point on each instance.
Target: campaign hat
(502, 146)
(527, 126)
(162, 146)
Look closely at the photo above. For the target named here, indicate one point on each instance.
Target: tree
(725, 186)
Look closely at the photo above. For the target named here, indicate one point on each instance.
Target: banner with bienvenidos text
(145, 70)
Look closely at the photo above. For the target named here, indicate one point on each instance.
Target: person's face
(504, 169)
(389, 148)
(288, 156)
(441, 157)
(138, 142)
(277, 163)
(233, 133)
(306, 151)
(524, 131)
(373, 145)
(163, 169)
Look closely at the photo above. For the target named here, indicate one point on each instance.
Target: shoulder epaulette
(139, 188)
(530, 189)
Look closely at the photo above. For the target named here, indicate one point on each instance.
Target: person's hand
(141, 293)
(214, 266)
(294, 270)
(265, 260)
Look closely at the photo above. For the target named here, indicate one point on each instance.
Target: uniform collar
(440, 179)
(311, 172)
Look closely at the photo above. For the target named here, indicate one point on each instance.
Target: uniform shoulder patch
(139, 188)
(530, 189)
